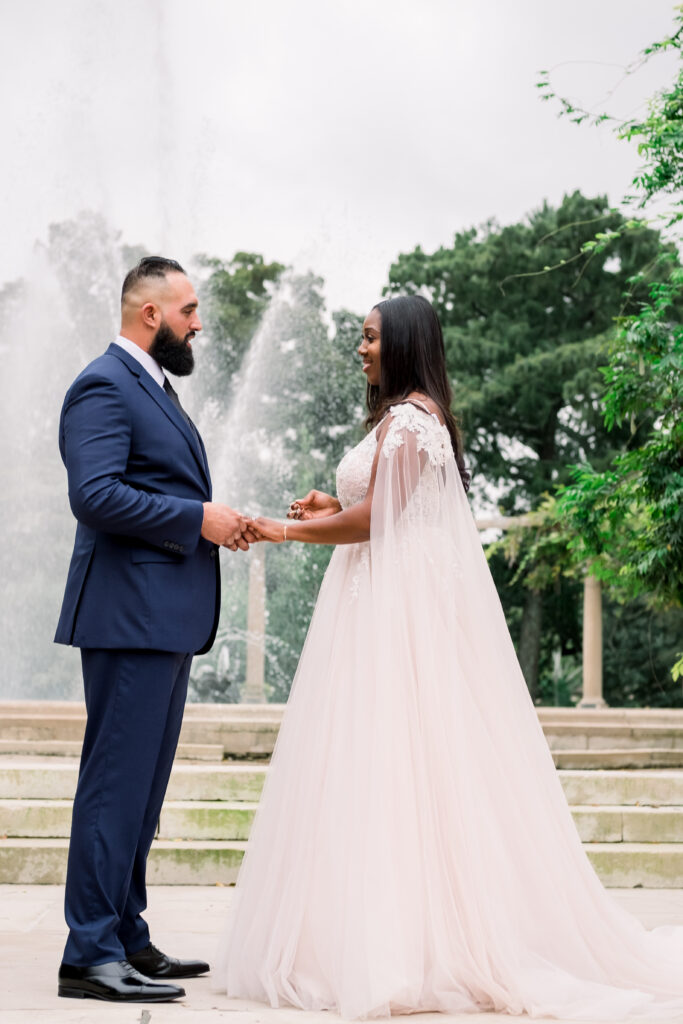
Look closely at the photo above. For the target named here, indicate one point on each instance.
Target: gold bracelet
(284, 535)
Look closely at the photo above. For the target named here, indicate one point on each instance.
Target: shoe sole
(77, 993)
(173, 977)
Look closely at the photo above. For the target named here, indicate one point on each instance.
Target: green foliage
(528, 314)
(233, 298)
(537, 547)
(627, 519)
(639, 645)
(524, 347)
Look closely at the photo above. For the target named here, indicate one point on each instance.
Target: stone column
(254, 689)
(592, 645)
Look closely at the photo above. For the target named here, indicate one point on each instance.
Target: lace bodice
(355, 469)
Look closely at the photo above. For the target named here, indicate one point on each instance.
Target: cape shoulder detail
(431, 436)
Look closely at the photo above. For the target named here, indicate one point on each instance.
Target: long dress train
(413, 848)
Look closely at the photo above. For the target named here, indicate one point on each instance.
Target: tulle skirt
(413, 849)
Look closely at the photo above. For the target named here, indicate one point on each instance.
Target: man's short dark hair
(149, 266)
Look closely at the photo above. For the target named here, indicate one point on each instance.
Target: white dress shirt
(144, 358)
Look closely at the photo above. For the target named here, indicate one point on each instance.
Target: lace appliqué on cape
(432, 437)
(355, 469)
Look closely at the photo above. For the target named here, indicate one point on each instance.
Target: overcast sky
(327, 135)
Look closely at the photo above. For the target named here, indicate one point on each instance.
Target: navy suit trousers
(135, 701)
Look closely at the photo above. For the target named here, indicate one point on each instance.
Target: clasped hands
(224, 526)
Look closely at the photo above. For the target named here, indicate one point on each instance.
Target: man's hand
(315, 505)
(222, 525)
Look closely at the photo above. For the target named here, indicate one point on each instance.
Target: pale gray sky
(328, 135)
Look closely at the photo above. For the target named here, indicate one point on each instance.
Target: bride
(413, 849)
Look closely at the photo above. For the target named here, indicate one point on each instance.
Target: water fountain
(263, 453)
(261, 448)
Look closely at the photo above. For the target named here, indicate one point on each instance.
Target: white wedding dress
(413, 849)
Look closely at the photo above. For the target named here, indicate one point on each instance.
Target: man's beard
(172, 352)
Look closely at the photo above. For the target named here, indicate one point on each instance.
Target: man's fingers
(241, 543)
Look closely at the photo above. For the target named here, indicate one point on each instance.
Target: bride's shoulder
(408, 418)
(416, 407)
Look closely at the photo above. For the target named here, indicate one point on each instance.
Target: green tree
(233, 298)
(524, 348)
(627, 519)
(638, 639)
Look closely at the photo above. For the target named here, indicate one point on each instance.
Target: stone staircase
(622, 773)
(614, 737)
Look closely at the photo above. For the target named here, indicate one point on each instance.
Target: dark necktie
(171, 392)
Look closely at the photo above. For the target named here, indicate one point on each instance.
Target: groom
(142, 596)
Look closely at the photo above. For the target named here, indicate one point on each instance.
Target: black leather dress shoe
(151, 962)
(118, 982)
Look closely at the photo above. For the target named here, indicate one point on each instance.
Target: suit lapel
(158, 395)
(205, 460)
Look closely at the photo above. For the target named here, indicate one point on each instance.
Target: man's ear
(150, 314)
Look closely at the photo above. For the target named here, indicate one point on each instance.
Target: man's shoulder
(107, 378)
(106, 368)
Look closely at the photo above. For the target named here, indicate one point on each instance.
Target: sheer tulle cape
(413, 849)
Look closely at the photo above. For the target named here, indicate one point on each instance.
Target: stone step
(55, 779)
(43, 861)
(180, 819)
(635, 757)
(76, 709)
(569, 750)
(637, 865)
(652, 787)
(72, 748)
(548, 715)
(669, 717)
(591, 736)
(208, 819)
(228, 735)
(629, 824)
(250, 730)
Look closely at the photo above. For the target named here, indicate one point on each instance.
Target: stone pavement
(185, 921)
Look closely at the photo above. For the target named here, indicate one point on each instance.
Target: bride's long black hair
(413, 358)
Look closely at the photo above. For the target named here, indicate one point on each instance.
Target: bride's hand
(267, 529)
(315, 505)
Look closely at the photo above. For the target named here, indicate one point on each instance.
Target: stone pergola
(591, 696)
(254, 690)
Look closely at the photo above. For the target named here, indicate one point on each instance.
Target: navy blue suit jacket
(141, 574)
